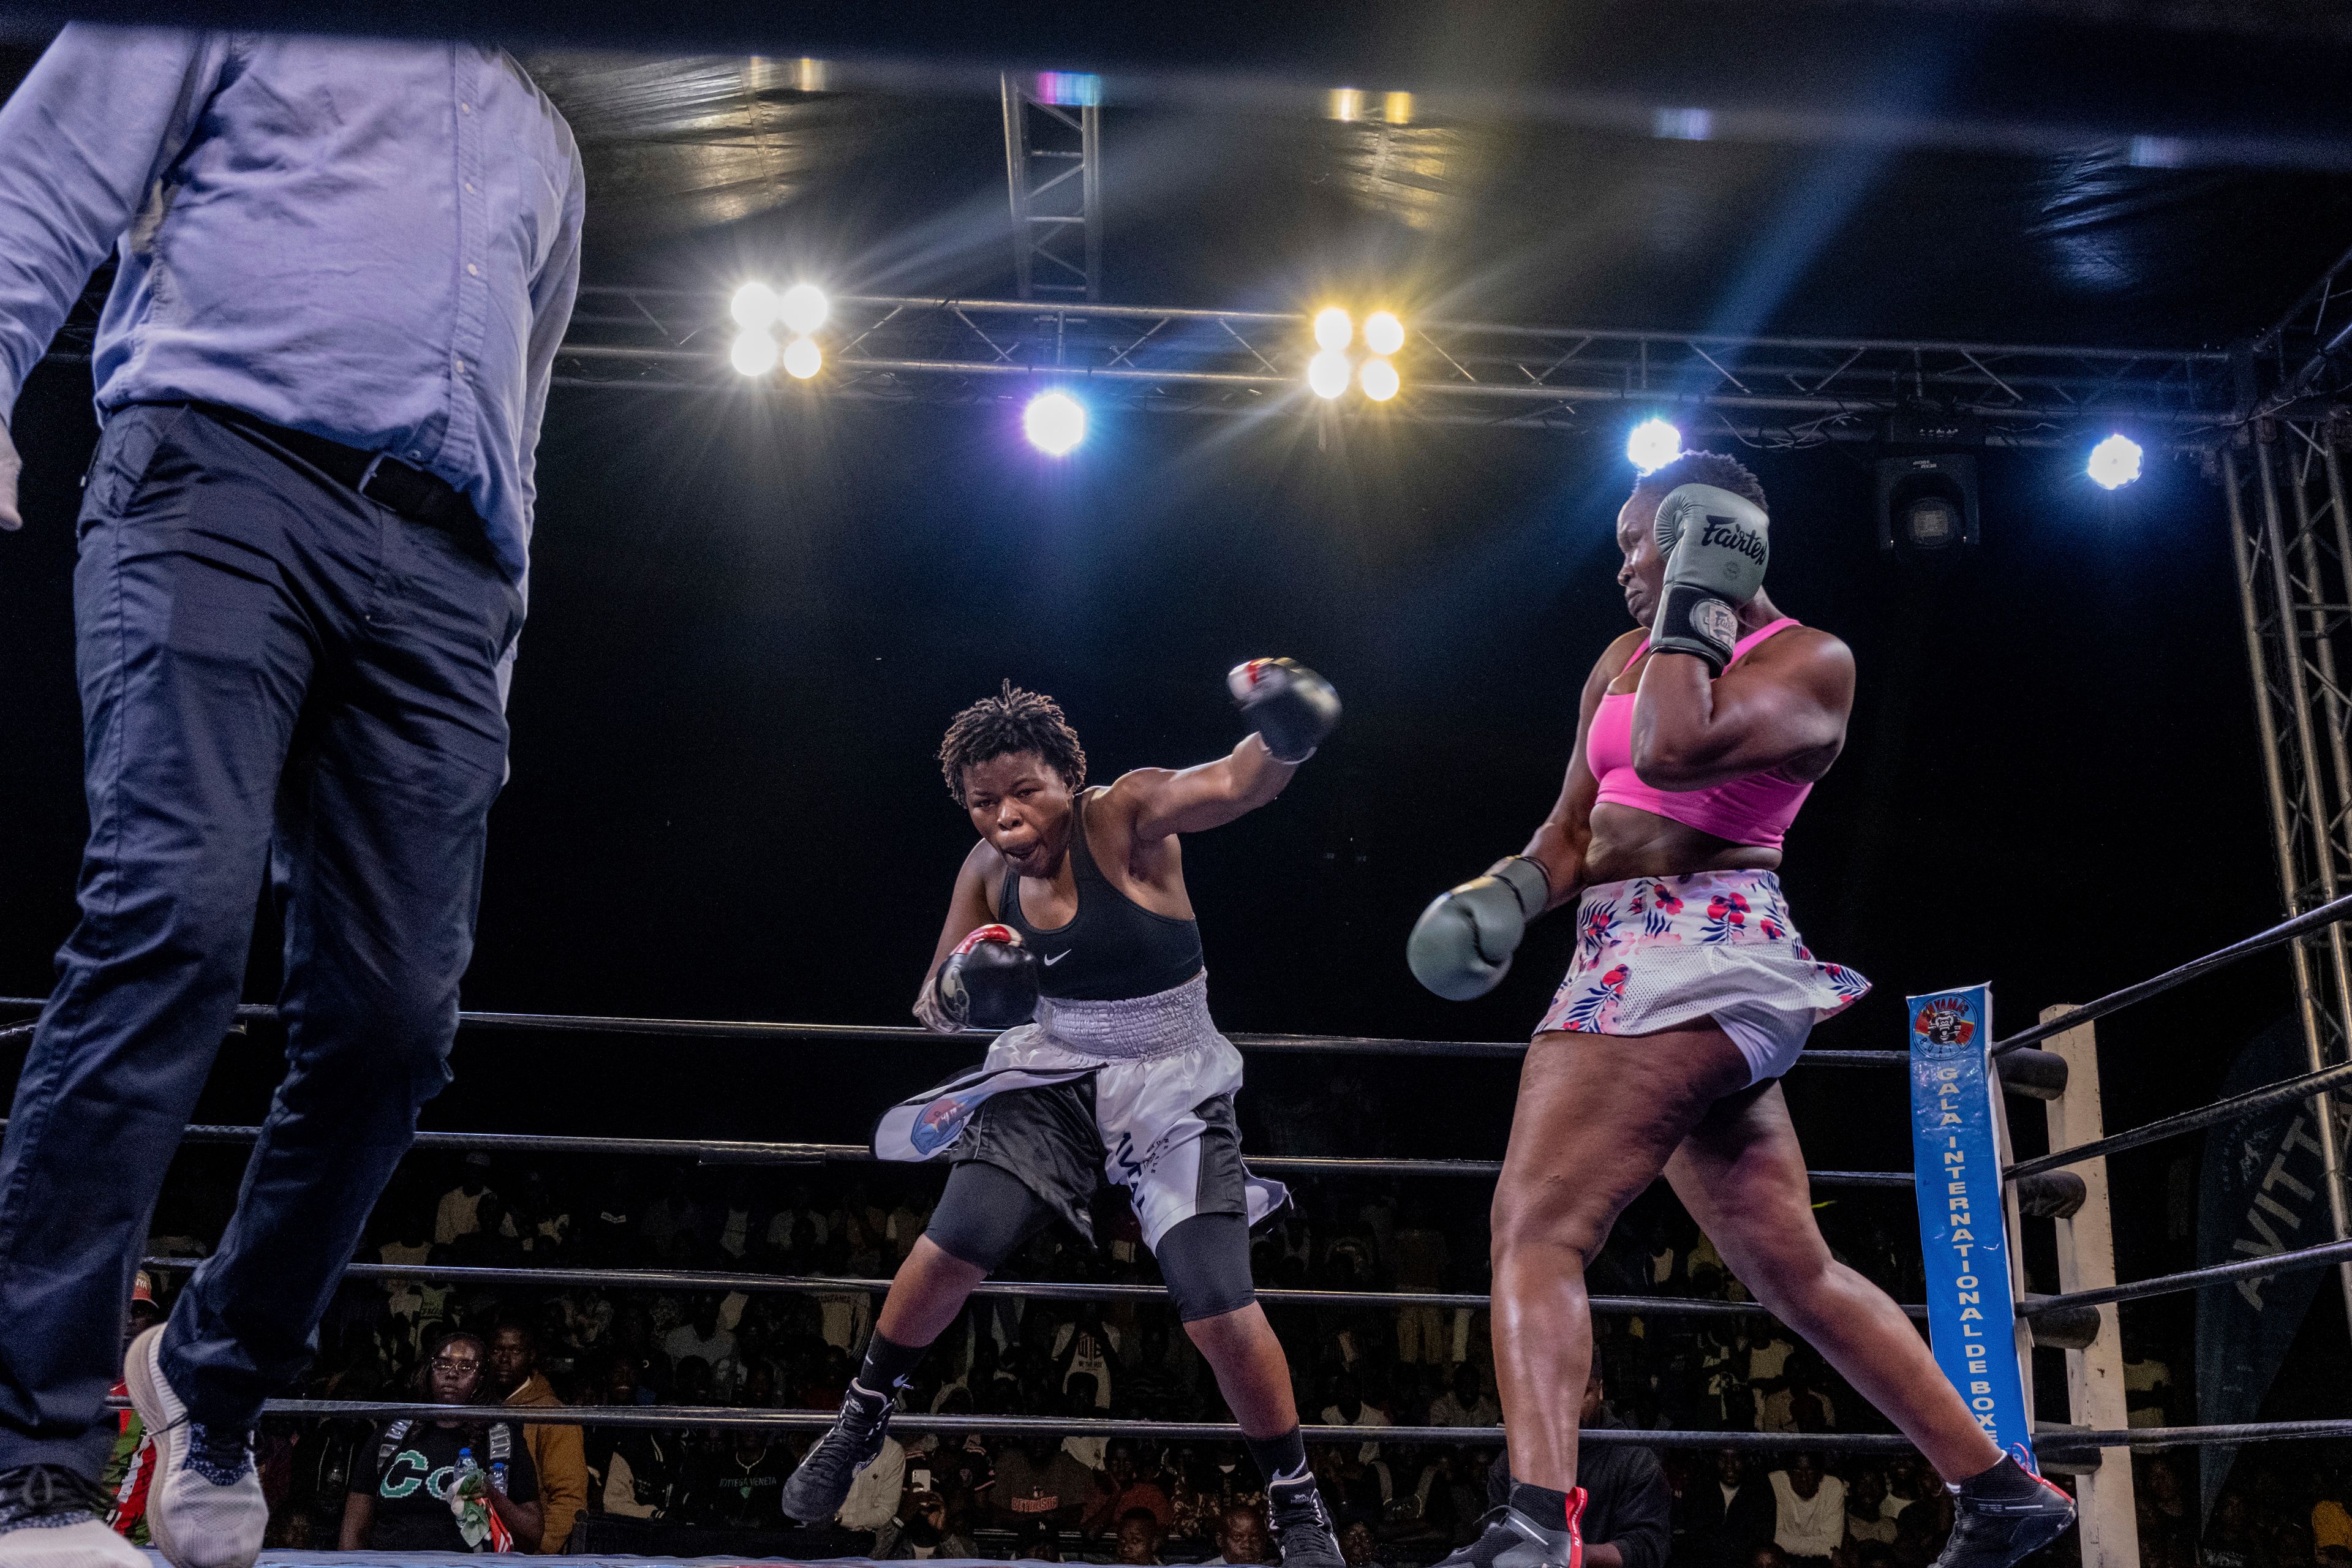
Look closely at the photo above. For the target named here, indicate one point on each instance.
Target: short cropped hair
(1703, 469)
(1007, 724)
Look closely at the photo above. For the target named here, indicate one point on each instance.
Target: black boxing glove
(989, 982)
(1289, 706)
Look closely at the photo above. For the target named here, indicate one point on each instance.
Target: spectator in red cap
(131, 1465)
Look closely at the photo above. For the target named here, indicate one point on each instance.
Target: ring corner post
(2087, 1261)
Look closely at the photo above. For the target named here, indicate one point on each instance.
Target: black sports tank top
(1113, 948)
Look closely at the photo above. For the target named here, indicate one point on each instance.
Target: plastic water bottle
(467, 1486)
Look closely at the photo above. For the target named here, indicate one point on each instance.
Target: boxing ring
(2066, 1186)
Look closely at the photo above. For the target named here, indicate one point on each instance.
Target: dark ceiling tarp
(704, 169)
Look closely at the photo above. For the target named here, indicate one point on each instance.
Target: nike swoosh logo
(1059, 956)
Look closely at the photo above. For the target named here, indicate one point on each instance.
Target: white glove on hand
(10, 467)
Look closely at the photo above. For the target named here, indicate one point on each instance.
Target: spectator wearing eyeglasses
(400, 1497)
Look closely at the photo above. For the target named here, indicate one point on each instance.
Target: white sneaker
(204, 1507)
(52, 1517)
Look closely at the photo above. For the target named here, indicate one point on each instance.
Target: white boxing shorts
(1139, 1092)
(1656, 952)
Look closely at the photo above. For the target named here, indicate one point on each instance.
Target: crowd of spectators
(698, 1488)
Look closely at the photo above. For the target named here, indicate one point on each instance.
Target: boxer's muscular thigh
(1596, 1120)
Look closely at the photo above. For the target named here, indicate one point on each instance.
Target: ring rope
(2310, 920)
(747, 1152)
(888, 1035)
(856, 1034)
(2286, 1091)
(2050, 1440)
(828, 1284)
(2315, 1256)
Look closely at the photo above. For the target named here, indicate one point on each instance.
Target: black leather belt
(413, 492)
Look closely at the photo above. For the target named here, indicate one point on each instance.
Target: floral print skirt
(1655, 952)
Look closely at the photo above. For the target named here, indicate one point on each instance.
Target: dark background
(753, 618)
(747, 631)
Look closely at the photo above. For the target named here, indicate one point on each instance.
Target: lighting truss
(1053, 164)
(2291, 542)
(1783, 391)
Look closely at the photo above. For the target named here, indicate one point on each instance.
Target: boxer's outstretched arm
(1559, 845)
(1162, 802)
(968, 909)
(1784, 703)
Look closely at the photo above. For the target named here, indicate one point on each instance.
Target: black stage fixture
(1927, 503)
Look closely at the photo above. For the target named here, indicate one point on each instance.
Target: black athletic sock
(888, 1363)
(1281, 1460)
(2006, 1482)
(1545, 1506)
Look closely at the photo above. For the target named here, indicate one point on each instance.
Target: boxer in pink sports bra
(1691, 992)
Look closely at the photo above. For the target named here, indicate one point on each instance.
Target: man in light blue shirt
(343, 270)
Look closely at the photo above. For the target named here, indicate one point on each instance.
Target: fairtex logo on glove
(1728, 532)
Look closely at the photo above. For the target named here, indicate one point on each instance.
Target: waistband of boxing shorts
(1132, 1028)
(1726, 908)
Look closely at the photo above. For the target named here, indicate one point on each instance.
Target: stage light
(1380, 380)
(803, 359)
(803, 308)
(1383, 333)
(754, 353)
(1055, 423)
(1927, 503)
(2114, 462)
(1332, 328)
(754, 307)
(1932, 523)
(1327, 374)
(1652, 445)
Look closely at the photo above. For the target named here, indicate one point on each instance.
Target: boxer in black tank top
(1113, 947)
(1083, 890)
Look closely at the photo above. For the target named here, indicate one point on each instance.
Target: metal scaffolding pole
(1053, 167)
(2300, 711)
(1780, 392)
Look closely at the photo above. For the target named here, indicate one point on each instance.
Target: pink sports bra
(1755, 809)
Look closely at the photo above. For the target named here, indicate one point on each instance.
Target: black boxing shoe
(2003, 1516)
(1510, 1539)
(820, 1484)
(1302, 1525)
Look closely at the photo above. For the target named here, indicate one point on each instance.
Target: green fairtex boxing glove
(1462, 945)
(1715, 545)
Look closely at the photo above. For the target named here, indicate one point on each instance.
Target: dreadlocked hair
(1704, 469)
(1009, 722)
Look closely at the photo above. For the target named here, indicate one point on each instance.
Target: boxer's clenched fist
(989, 982)
(1716, 545)
(1462, 945)
(1291, 708)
